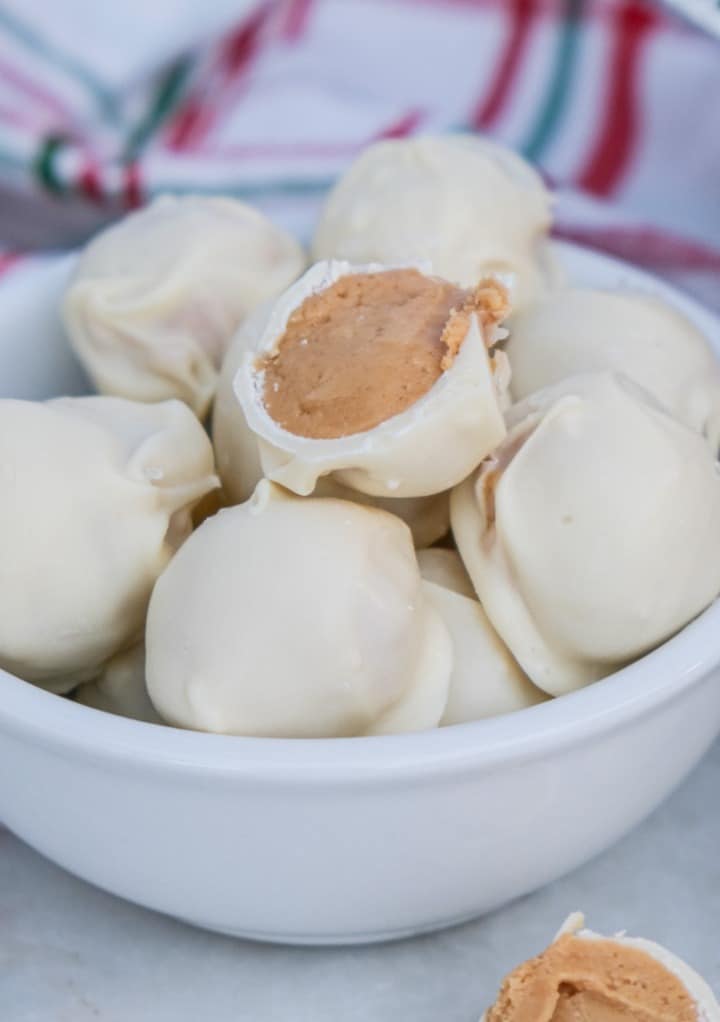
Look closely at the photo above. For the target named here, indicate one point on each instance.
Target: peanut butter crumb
(367, 348)
(489, 301)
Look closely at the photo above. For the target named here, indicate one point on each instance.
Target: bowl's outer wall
(253, 854)
(328, 864)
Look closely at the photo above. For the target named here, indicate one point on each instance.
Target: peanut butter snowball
(469, 206)
(238, 457)
(156, 297)
(120, 688)
(485, 681)
(97, 495)
(584, 977)
(591, 533)
(297, 618)
(576, 330)
(428, 518)
(381, 377)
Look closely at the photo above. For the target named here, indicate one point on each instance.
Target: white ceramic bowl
(346, 840)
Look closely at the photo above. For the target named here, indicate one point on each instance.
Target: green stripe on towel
(164, 100)
(44, 164)
(558, 92)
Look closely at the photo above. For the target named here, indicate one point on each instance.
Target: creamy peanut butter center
(579, 980)
(367, 348)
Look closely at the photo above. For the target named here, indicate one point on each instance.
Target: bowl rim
(62, 726)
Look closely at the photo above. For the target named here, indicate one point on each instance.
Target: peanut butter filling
(367, 348)
(588, 980)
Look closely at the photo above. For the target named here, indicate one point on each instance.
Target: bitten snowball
(97, 494)
(381, 377)
(155, 298)
(591, 534)
(238, 457)
(289, 617)
(586, 977)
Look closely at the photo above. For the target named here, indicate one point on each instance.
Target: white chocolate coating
(237, 453)
(486, 681)
(96, 497)
(601, 539)
(155, 298)
(120, 688)
(577, 330)
(422, 451)
(297, 618)
(468, 205)
(428, 518)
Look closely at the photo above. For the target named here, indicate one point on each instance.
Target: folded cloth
(104, 106)
(705, 13)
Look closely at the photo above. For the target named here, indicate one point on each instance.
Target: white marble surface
(69, 953)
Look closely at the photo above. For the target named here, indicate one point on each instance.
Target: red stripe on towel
(194, 120)
(403, 127)
(521, 15)
(615, 143)
(645, 245)
(132, 186)
(296, 19)
(241, 45)
(8, 260)
(90, 182)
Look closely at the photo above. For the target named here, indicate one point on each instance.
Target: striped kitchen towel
(105, 105)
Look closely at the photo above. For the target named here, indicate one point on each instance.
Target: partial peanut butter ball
(96, 494)
(591, 535)
(120, 688)
(155, 298)
(468, 205)
(585, 977)
(238, 457)
(577, 330)
(383, 378)
(445, 568)
(428, 518)
(486, 681)
(297, 618)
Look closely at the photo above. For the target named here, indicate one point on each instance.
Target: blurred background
(103, 106)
